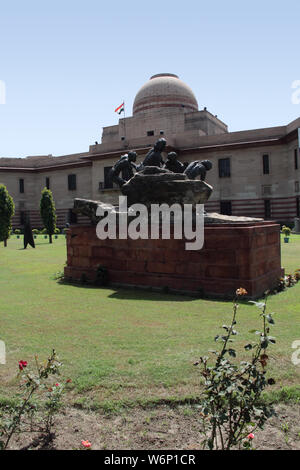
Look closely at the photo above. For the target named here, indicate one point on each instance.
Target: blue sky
(68, 64)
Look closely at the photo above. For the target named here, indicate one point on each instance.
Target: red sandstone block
(273, 251)
(156, 267)
(82, 250)
(243, 257)
(273, 238)
(80, 261)
(102, 252)
(238, 239)
(136, 266)
(76, 273)
(117, 244)
(79, 239)
(109, 264)
(259, 270)
(264, 253)
(150, 255)
(190, 269)
(70, 250)
(140, 243)
(119, 264)
(125, 254)
(260, 239)
(230, 272)
(223, 257)
(228, 243)
(175, 255)
(171, 244)
(273, 264)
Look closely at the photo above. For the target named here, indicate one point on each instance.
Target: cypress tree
(48, 212)
(7, 210)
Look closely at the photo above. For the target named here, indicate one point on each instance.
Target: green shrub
(34, 383)
(48, 212)
(232, 408)
(7, 210)
(286, 231)
(17, 231)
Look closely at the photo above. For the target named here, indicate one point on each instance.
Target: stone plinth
(234, 255)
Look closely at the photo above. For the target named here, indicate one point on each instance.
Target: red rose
(86, 444)
(22, 365)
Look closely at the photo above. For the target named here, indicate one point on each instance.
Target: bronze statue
(125, 166)
(173, 164)
(153, 157)
(198, 168)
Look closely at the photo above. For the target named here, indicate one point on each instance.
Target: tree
(7, 210)
(47, 211)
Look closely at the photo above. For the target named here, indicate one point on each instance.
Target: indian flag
(120, 108)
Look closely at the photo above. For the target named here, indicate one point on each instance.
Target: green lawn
(124, 344)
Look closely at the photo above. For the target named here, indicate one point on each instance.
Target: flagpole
(124, 121)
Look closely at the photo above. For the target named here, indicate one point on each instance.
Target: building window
(266, 164)
(21, 185)
(296, 186)
(72, 217)
(108, 182)
(71, 182)
(266, 189)
(225, 207)
(267, 203)
(149, 133)
(296, 159)
(224, 167)
(298, 206)
(47, 182)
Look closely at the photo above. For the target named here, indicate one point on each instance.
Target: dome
(164, 90)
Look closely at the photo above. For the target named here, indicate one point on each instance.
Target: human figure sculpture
(198, 168)
(28, 237)
(153, 157)
(125, 166)
(173, 164)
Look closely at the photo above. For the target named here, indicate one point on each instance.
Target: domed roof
(164, 90)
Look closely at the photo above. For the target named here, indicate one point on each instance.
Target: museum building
(255, 173)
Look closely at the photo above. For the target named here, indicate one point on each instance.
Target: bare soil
(159, 428)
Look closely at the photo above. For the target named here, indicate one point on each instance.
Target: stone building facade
(255, 173)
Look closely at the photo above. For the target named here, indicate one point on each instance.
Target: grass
(125, 346)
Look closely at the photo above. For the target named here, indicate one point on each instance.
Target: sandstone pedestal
(234, 255)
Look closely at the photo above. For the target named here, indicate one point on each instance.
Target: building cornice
(231, 146)
(118, 153)
(45, 168)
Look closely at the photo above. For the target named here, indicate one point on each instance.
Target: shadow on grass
(132, 293)
(36, 244)
(147, 293)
